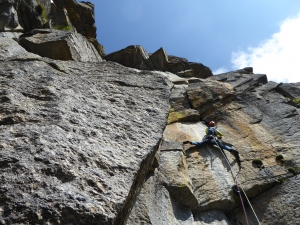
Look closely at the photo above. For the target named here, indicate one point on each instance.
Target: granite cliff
(90, 138)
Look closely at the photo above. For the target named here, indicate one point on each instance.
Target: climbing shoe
(236, 155)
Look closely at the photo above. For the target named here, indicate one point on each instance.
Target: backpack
(212, 133)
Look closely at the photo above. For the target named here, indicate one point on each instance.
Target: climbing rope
(238, 188)
(251, 206)
(236, 181)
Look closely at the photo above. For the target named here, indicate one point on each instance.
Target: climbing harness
(237, 186)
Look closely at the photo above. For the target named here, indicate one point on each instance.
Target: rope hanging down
(238, 188)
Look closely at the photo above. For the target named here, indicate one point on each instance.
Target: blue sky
(223, 35)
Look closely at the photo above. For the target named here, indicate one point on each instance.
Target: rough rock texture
(174, 172)
(155, 206)
(261, 119)
(100, 143)
(9, 17)
(135, 56)
(207, 168)
(77, 139)
(12, 35)
(80, 15)
(60, 45)
(181, 110)
(207, 96)
(10, 49)
(213, 217)
(241, 80)
(291, 91)
(280, 204)
(24, 16)
(130, 56)
(30, 14)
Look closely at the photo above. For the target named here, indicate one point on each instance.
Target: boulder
(9, 17)
(208, 96)
(136, 57)
(60, 45)
(157, 61)
(181, 110)
(240, 81)
(79, 14)
(185, 115)
(130, 56)
(76, 146)
(290, 91)
(31, 14)
(24, 16)
(200, 70)
(60, 19)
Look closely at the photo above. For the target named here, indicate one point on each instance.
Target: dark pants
(212, 141)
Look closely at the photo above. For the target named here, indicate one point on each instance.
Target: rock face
(10, 49)
(280, 204)
(136, 57)
(60, 45)
(8, 16)
(31, 13)
(25, 16)
(80, 15)
(67, 130)
(87, 141)
(261, 119)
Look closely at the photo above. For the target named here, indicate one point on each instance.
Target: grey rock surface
(86, 142)
(78, 14)
(129, 56)
(135, 56)
(240, 81)
(9, 17)
(11, 35)
(181, 110)
(11, 50)
(277, 206)
(60, 45)
(214, 217)
(29, 14)
(291, 91)
(77, 140)
(174, 174)
(208, 96)
(155, 206)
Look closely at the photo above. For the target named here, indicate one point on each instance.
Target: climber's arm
(219, 133)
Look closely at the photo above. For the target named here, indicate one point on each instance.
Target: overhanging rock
(60, 45)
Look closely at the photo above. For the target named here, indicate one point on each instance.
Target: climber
(213, 136)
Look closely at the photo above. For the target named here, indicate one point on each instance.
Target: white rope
(235, 178)
(251, 206)
(236, 181)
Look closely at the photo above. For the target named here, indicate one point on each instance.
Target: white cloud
(220, 70)
(278, 57)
